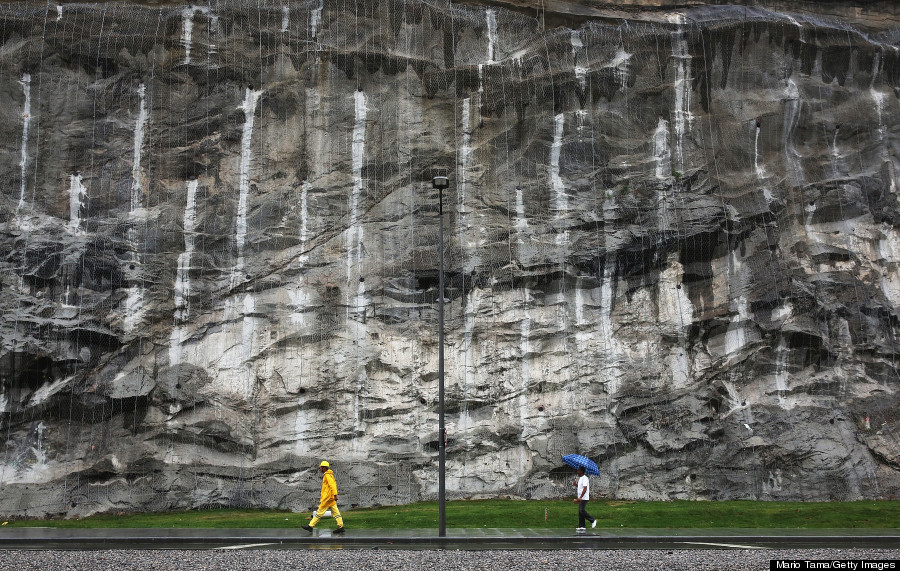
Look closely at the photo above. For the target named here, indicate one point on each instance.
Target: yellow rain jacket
(328, 501)
(329, 489)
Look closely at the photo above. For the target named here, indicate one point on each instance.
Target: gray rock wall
(671, 245)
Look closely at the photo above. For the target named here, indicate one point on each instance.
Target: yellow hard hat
(325, 463)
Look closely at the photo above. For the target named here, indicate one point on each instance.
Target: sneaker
(579, 530)
(594, 524)
(307, 528)
(339, 530)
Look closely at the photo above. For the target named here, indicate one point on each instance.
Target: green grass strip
(526, 514)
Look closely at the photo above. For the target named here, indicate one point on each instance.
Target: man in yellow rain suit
(328, 500)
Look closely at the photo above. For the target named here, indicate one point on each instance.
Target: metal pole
(441, 183)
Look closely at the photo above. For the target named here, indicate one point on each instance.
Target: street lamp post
(440, 183)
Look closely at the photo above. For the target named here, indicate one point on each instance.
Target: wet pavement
(462, 539)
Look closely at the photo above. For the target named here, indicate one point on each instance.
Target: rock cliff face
(671, 245)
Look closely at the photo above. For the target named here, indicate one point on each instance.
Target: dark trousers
(582, 513)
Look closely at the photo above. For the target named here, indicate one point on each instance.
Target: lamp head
(440, 182)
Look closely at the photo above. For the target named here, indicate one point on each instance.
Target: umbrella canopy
(579, 461)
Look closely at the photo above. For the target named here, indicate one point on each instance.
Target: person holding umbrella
(328, 500)
(584, 494)
(583, 466)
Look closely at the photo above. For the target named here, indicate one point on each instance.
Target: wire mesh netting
(670, 245)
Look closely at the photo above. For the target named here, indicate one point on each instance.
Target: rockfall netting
(671, 245)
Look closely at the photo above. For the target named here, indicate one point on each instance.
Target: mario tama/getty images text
(850, 564)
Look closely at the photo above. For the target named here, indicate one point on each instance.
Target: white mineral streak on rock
(248, 332)
(59, 13)
(285, 18)
(662, 155)
(620, 63)
(581, 336)
(559, 198)
(315, 18)
(187, 27)
(77, 193)
(792, 107)
(757, 168)
(878, 99)
(357, 305)
(782, 354)
(526, 356)
(182, 274)
(465, 226)
(525, 246)
(134, 302)
(40, 455)
(465, 158)
(521, 223)
(478, 95)
(613, 350)
(176, 345)
(469, 354)
(355, 230)
(676, 313)
(248, 106)
(26, 123)
(134, 308)
(468, 375)
(491, 18)
(182, 290)
(838, 169)
(812, 232)
(474, 173)
(735, 336)
(582, 118)
(683, 118)
(304, 213)
(137, 178)
(560, 206)
(580, 70)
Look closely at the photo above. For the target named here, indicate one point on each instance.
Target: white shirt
(584, 484)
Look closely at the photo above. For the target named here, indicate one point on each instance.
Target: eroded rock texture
(672, 245)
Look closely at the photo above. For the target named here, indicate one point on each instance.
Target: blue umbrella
(579, 461)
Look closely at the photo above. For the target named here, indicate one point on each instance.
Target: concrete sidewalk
(465, 539)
